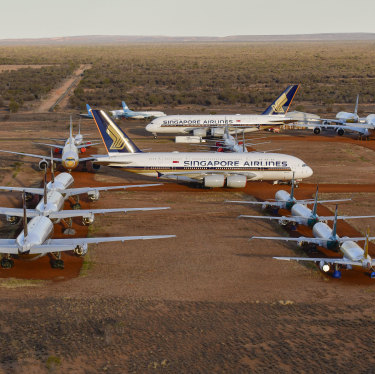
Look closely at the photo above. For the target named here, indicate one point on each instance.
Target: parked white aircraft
(125, 112)
(284, 200)
(201, 125)
(302, 215)
(212, 169)
(35, 239)
(69, 152)
(353, 255)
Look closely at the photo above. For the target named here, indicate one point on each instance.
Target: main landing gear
(56, 261)
(7, 262)
(336, 273)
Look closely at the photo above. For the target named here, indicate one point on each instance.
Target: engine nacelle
(58, 151)
(13, 219)
(200, 132)
(43, 164)
(80, 250)
(93, 195)
(88, 220)
(324, 266)
(217, 132)
(83, 150)
(317, 130)
(236, 181)
(96, 166)
(214, 180)
(340, 131)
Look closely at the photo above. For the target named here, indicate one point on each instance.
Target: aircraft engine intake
(217, 132)
(12, 219)
(214, 180)
(43, 164)
(340, 132)
(95, 166)
(88, 220)
(236, 181)
(200, 132)
(80, 250)
(93, 195)
(316, 130)
(83, 150)
(324, 266)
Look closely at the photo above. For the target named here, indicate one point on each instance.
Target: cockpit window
(303, 165)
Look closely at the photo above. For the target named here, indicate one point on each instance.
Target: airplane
(353, 255)
(213, 169)
(36, 239)
(69, 152)
(324, 236)
(284, 200)
(302, 215)
(203, 125)
(128, 113)
(230, 143)
(56, 192)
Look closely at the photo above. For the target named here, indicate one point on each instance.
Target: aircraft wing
(61, 245)
(273, 203)
(332, 218)
(197, 175)
(340, 261)
(32, 155)
(51, 145)
(8, 246)
(87, 145)
(358, 239)
(282, 218)
(303, 239)
(89, 212)
(311, 201)
(37, 191)
(18, 212)
(77, 191)
(87, 159)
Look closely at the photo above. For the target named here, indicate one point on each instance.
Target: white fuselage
(39, 229)
(69, 155)
(184, 124)
(254, 165)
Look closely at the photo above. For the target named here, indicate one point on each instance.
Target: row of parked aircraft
(323, 235)
(275, 115)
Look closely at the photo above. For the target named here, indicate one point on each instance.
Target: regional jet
(213, 169)
(202, 125)
(128, 113)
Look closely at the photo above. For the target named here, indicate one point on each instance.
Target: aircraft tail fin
(71, 129)
(366, 242)
(88, 108)
(292, 189)
(124, 106)
(282, 103)
(114, 139)
(334, 229)
(356, 106)
(315, 207)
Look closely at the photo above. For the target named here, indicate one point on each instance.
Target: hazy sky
(46, 18)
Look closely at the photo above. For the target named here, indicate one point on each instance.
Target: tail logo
(279, 103)
(118, 142)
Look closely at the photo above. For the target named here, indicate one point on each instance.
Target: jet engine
(340, 131)
(58, 151)
(43, 164)
(217, 132)
(214, 180)
(96, 166)
(93, 195)
(317, 130)
(324, 266)
(83, 150)
(236, 181)
(88, 220)
(13, 219)
(80, 250)
(200, 132)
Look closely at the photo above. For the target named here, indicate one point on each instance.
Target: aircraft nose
(309, 171)
(150, 127)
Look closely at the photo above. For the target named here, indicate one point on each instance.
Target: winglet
(292, 189)
(356, 106)
(282, 103)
